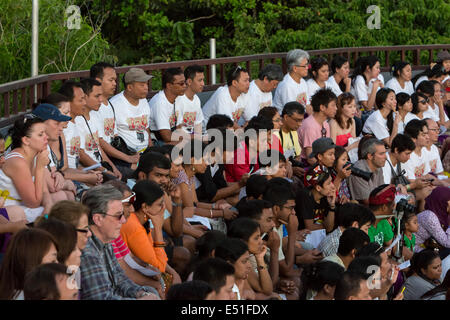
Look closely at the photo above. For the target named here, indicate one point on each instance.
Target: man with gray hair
(102, 278)
(293, 87)
(260, 91)
(373, 159)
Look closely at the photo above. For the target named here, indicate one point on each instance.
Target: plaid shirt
(102, 278)
(329, 246)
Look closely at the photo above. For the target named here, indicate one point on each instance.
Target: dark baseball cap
(48, 111)
(321, 145)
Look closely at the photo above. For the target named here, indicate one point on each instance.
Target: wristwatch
(262, 267)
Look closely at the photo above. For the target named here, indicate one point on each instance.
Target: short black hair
(348, 285)
(402, 142)
(352, 239)
(271, 72)
(322, 97)
(256, 185)
(88, 84)
(191, 71)
(252, 209)
(40, 283)
(217, 121)
(268, 154)
(97, 69)
(242, 228)
(292, 107)
(414, 127)
(150, 160)
(214, 271)
(68, 87)
(189, 290)
(234, 74)
(316, 276)
(259, 123)
(365, 265)
(169, 74)
(426, 87)
(350, 212)
(231, 250)
(278, 195)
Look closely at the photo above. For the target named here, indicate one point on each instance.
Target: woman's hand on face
(42, 159)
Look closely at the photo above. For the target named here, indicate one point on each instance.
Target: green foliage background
(146, 31)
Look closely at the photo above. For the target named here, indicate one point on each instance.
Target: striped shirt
(120, 248)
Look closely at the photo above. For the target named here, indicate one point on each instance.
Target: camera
(294, 162)
(404, 206)
(358, 172)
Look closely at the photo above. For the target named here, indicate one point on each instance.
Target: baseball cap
(136, 75)
(321, 145)
(46, 111)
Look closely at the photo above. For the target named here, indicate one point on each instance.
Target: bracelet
(157, 244)
(174, 204)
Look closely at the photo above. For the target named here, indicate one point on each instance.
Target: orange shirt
(141, 244)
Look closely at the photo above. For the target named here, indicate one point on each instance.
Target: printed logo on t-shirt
(302, 98)
(91, 144)
(137, 124)
(379, 238)
(419, 171)
(189, 118)
(108, 126)
(237, 114)
(265, 104)
(75, 146)
(433, 165)
(173, 119)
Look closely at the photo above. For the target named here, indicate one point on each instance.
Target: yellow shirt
(289, 141)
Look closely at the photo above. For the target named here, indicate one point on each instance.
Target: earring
(193, 169)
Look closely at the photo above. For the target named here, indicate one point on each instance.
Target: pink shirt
(309, 131)
(120, 248)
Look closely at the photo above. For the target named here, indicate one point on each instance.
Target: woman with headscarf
(433, 222)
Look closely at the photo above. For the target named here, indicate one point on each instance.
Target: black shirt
(307, 208)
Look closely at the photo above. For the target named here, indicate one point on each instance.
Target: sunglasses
(424, 101)
(83, 230)
(131, 199)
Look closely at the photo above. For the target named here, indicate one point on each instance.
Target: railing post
(212, 55)
(35, 42)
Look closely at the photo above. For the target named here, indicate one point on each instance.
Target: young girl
(404, 108)
(383, 123)
(319, 75)
(409, 226)
(339, 81)
(259, 278)
(343, 127)
(320, 280)
(401, 80)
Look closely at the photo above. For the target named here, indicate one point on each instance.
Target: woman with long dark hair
(318, 76)
(339, 81)
(401, 78)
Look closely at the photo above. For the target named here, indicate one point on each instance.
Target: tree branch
(201, 18)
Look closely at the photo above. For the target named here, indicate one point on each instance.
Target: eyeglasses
(324, 132)
(289, 208)
(119, 217)
(131, 199)
(277, 120)
(435, 130)
(300, 66)
(83, 230)
(424, 101)
(238, 68)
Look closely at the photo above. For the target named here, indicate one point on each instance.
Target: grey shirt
(416, 287)
(359, 188)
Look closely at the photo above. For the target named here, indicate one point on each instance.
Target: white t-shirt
(332, 84)
(434, 159)
(361, 91)
(91, 142)
(279, 230)
(417, 166)
(387, 170)
(395, 85)
(221, 103)
(132, 121)
(422, 78)
(433, 113)
(104, 119)
(313, 87)
(376, 125)
(409, 116)
(74, 142)
(288, 90)
(163, 114)
(191, 113)
(256, 101)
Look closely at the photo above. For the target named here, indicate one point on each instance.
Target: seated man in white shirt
(87, 126)
(132, 112)
(432, 151)
(189, 105)
(106, 120)
(260, 92)
(164, 111)
(293, 87)
(230, 99)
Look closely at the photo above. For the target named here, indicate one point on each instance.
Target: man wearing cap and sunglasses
(132, 112)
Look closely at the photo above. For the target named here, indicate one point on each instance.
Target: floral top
(429, 226)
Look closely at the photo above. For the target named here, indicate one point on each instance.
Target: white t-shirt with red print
(91, 142)
(132, 121)
(221, 103)
(417, 166)
(74, 142)
(104, 119)
(163, 114)
(257, 100)
(288, 90)
(190, 112)
(434, 159)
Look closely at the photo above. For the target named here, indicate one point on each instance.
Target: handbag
(118, 143)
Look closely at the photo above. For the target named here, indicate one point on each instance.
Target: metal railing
(17, 97)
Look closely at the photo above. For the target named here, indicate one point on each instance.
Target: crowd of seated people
(319, 184)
